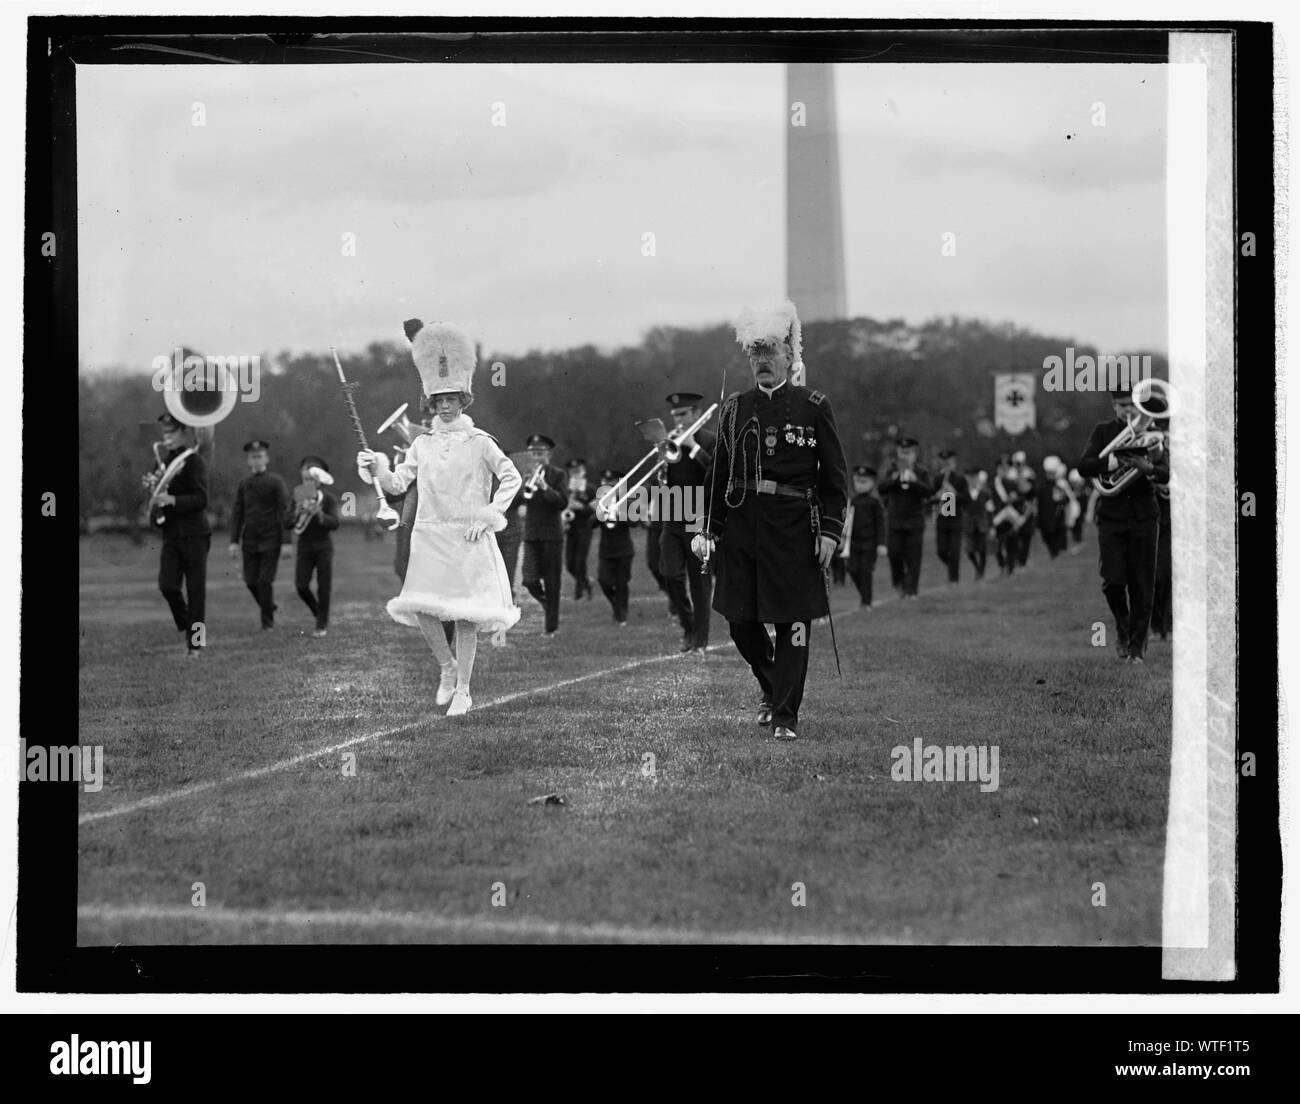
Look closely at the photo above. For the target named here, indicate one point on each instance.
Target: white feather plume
(773, 324)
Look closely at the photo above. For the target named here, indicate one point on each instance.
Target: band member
(577, 518)
(1056, 506)
(257, 527)
(1010, 514)
(1128, 524)
(314, 517)
(864, 532)
(545, 494)
(654, 532)
(906, 489)
(509, 537)
(1162, 602)
(689, 586)
(1026, 480)
(976, 520)
(778, 491)
(455, 571)
(614, 552)
(1083, 495)
(950, 500)
(408, 505)
(179, 505)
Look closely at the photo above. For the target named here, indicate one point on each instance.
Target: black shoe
(687, 644)
(765, 712)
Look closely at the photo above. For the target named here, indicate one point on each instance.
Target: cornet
(534, 482)
(1136, 436)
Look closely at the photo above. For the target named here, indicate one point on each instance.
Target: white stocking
(431, 627)
(466, 649)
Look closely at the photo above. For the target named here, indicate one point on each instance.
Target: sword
(816, 516)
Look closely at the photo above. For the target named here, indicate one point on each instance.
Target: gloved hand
(476, 530)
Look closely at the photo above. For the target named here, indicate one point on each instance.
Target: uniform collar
(770, 391)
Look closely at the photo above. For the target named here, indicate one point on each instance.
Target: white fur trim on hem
(487, 616)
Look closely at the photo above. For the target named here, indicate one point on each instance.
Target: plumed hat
(768, 327)
(444, 356)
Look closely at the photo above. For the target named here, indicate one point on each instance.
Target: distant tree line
(933, 382)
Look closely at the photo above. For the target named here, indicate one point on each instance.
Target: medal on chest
(769, 441)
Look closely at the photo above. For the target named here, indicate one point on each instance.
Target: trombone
(1137, 435)
(668, 449)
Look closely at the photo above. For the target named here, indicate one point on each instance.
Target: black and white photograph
(696, 489)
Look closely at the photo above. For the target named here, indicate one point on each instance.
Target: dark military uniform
(544, 543)
(689, 586)
(1006, 493)
(187, 537)
(509, 537)
(975, 523)
(1128, 531)
(865, 535)
(778, 473)
(614, 564)
(257, 526)
(905, 509)
(577, 540)
(316, 555)
(952, 497)
(1162, 603)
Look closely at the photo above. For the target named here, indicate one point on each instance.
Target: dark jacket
(615, 540)
(542, 521)
(1137, 501)
(257, 521)
(868, 524)
(950, 516)
(905, 502)
(976, 517)
(188, 516)
(321, 526)
(766, 560)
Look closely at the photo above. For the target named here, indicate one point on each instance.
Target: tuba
(1138, 435)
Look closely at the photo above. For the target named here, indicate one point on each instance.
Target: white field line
(169, 796)
(435, 924)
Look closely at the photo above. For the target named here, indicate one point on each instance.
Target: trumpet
(667, 447)
(534, 482)
(1136, 436)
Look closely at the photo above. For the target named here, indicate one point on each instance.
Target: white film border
(1199, 912)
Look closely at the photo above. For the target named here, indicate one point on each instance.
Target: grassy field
(230, 771)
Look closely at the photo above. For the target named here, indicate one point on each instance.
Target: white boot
(447, 684)
(460, 702)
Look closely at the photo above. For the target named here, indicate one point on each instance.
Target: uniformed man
(906, 489)
(257, 527)
(778, 491)
(689, 586)
(950, 501)
(545, 494)
(1128, 528)
(577, 533)
(976, 520)
(1162, 602)
(509, 537)
(181, 513)
(314, 517)
(1010, 514)
(864, 532)
(614, 552)
(1026, 480)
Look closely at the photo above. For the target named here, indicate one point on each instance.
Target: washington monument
(814, 243)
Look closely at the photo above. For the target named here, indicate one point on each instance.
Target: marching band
(778, 521)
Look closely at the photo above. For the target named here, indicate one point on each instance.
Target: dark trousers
(260, 565)
(689, 588)
(542, 571)
(184, 561)
(1007, 550)
(977, 551)
(905, 547)
(838, 570)
(1024, 538)
(862, 566)
(1162, 605)
(577, 544)
(1128, 576)
(508, 542)
(781, 671)
(614, 574)
(947, 542)
(318, 558)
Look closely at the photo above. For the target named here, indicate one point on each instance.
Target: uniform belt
(771, 486)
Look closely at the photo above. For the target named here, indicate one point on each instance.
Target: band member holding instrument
(864, 532)
(614, 552)
(455, 571)
(179, 504)
(778, 491)
(577, 519)
(686, 466)
(508, 540)
(545, 495)
(950, 498)
(976, 520)
(1128, 524)
(906, 488)
(314, 518)
(257, 527)
(1010, 514)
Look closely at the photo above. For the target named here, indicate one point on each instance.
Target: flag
(1013, 401)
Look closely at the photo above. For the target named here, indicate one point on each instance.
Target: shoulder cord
(736, 444)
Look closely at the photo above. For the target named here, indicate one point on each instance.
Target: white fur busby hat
(444, 356)
(775, 324)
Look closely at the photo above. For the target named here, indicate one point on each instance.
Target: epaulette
(818, 397)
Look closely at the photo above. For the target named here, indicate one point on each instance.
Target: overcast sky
(228, 237)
